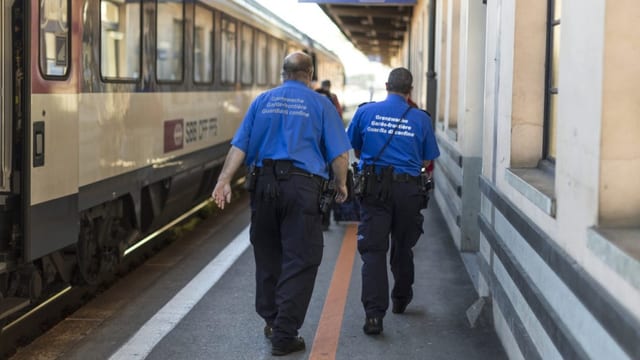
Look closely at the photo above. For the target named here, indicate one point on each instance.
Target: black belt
(300, 172)
(292, 171)
(405, 178)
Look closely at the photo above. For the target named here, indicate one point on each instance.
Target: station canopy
(375, 27)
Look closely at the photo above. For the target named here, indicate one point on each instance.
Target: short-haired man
(394, 142)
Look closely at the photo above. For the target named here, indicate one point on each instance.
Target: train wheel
(88, 254)
(30, 283)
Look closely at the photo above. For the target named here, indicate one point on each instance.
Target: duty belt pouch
(370, 179)
(251, 178)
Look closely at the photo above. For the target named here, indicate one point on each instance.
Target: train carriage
(116, 117)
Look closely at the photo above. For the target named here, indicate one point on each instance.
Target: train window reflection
(54, 37)
(261, 58)
(228, 51)
(203, 45)
(170, 35)
(120, 39)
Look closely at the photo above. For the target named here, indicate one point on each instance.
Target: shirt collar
(396, 98)
(295, 83)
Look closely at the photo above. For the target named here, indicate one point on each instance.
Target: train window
(261, 58)
(54, 38)
(246, 59)
(228, 50)
(274, 58)
(120, 39)
(202, 45)
(551, 92)
(169, 42)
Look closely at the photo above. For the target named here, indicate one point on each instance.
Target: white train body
(116, 117)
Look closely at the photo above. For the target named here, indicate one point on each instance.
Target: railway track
(28, 326)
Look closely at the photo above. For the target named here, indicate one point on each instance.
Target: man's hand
(428, 167)
(340, 165)
(341, 193)
(221, 193)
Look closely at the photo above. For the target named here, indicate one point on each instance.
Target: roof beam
(374, 11)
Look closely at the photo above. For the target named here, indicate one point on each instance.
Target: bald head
(297, 66)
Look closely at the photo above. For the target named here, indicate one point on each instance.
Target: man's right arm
(222, 191)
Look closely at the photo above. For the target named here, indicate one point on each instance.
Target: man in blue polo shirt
(290, 134)
(394, 142)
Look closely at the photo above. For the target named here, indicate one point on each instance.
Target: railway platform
(194, 300)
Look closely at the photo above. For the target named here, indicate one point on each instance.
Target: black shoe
(297, 344)
(399, 307)
(268, 331)
(372, 325)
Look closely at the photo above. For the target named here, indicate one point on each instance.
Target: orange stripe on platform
(325, 343)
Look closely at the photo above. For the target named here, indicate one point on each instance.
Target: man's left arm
(340, 166)
(428, 167)
(430, 147)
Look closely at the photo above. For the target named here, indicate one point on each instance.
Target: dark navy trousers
(286, 234)
(399, 220)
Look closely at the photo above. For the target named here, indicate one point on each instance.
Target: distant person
(394, 142)
(290, 134)
(325, 88)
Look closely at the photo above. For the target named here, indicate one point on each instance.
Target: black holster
(328, 195)
(364, 180)
(426, 185)
(359, 184)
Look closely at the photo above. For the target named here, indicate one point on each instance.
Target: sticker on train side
(177, 133)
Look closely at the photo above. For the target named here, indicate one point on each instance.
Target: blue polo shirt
(412, 143)
(292, 122)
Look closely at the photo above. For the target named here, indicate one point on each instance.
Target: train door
(50, 151)
(4, 88)
(9, 106)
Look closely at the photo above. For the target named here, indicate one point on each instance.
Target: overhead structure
(375, 27)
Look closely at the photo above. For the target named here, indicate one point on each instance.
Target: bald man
(289, 137)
